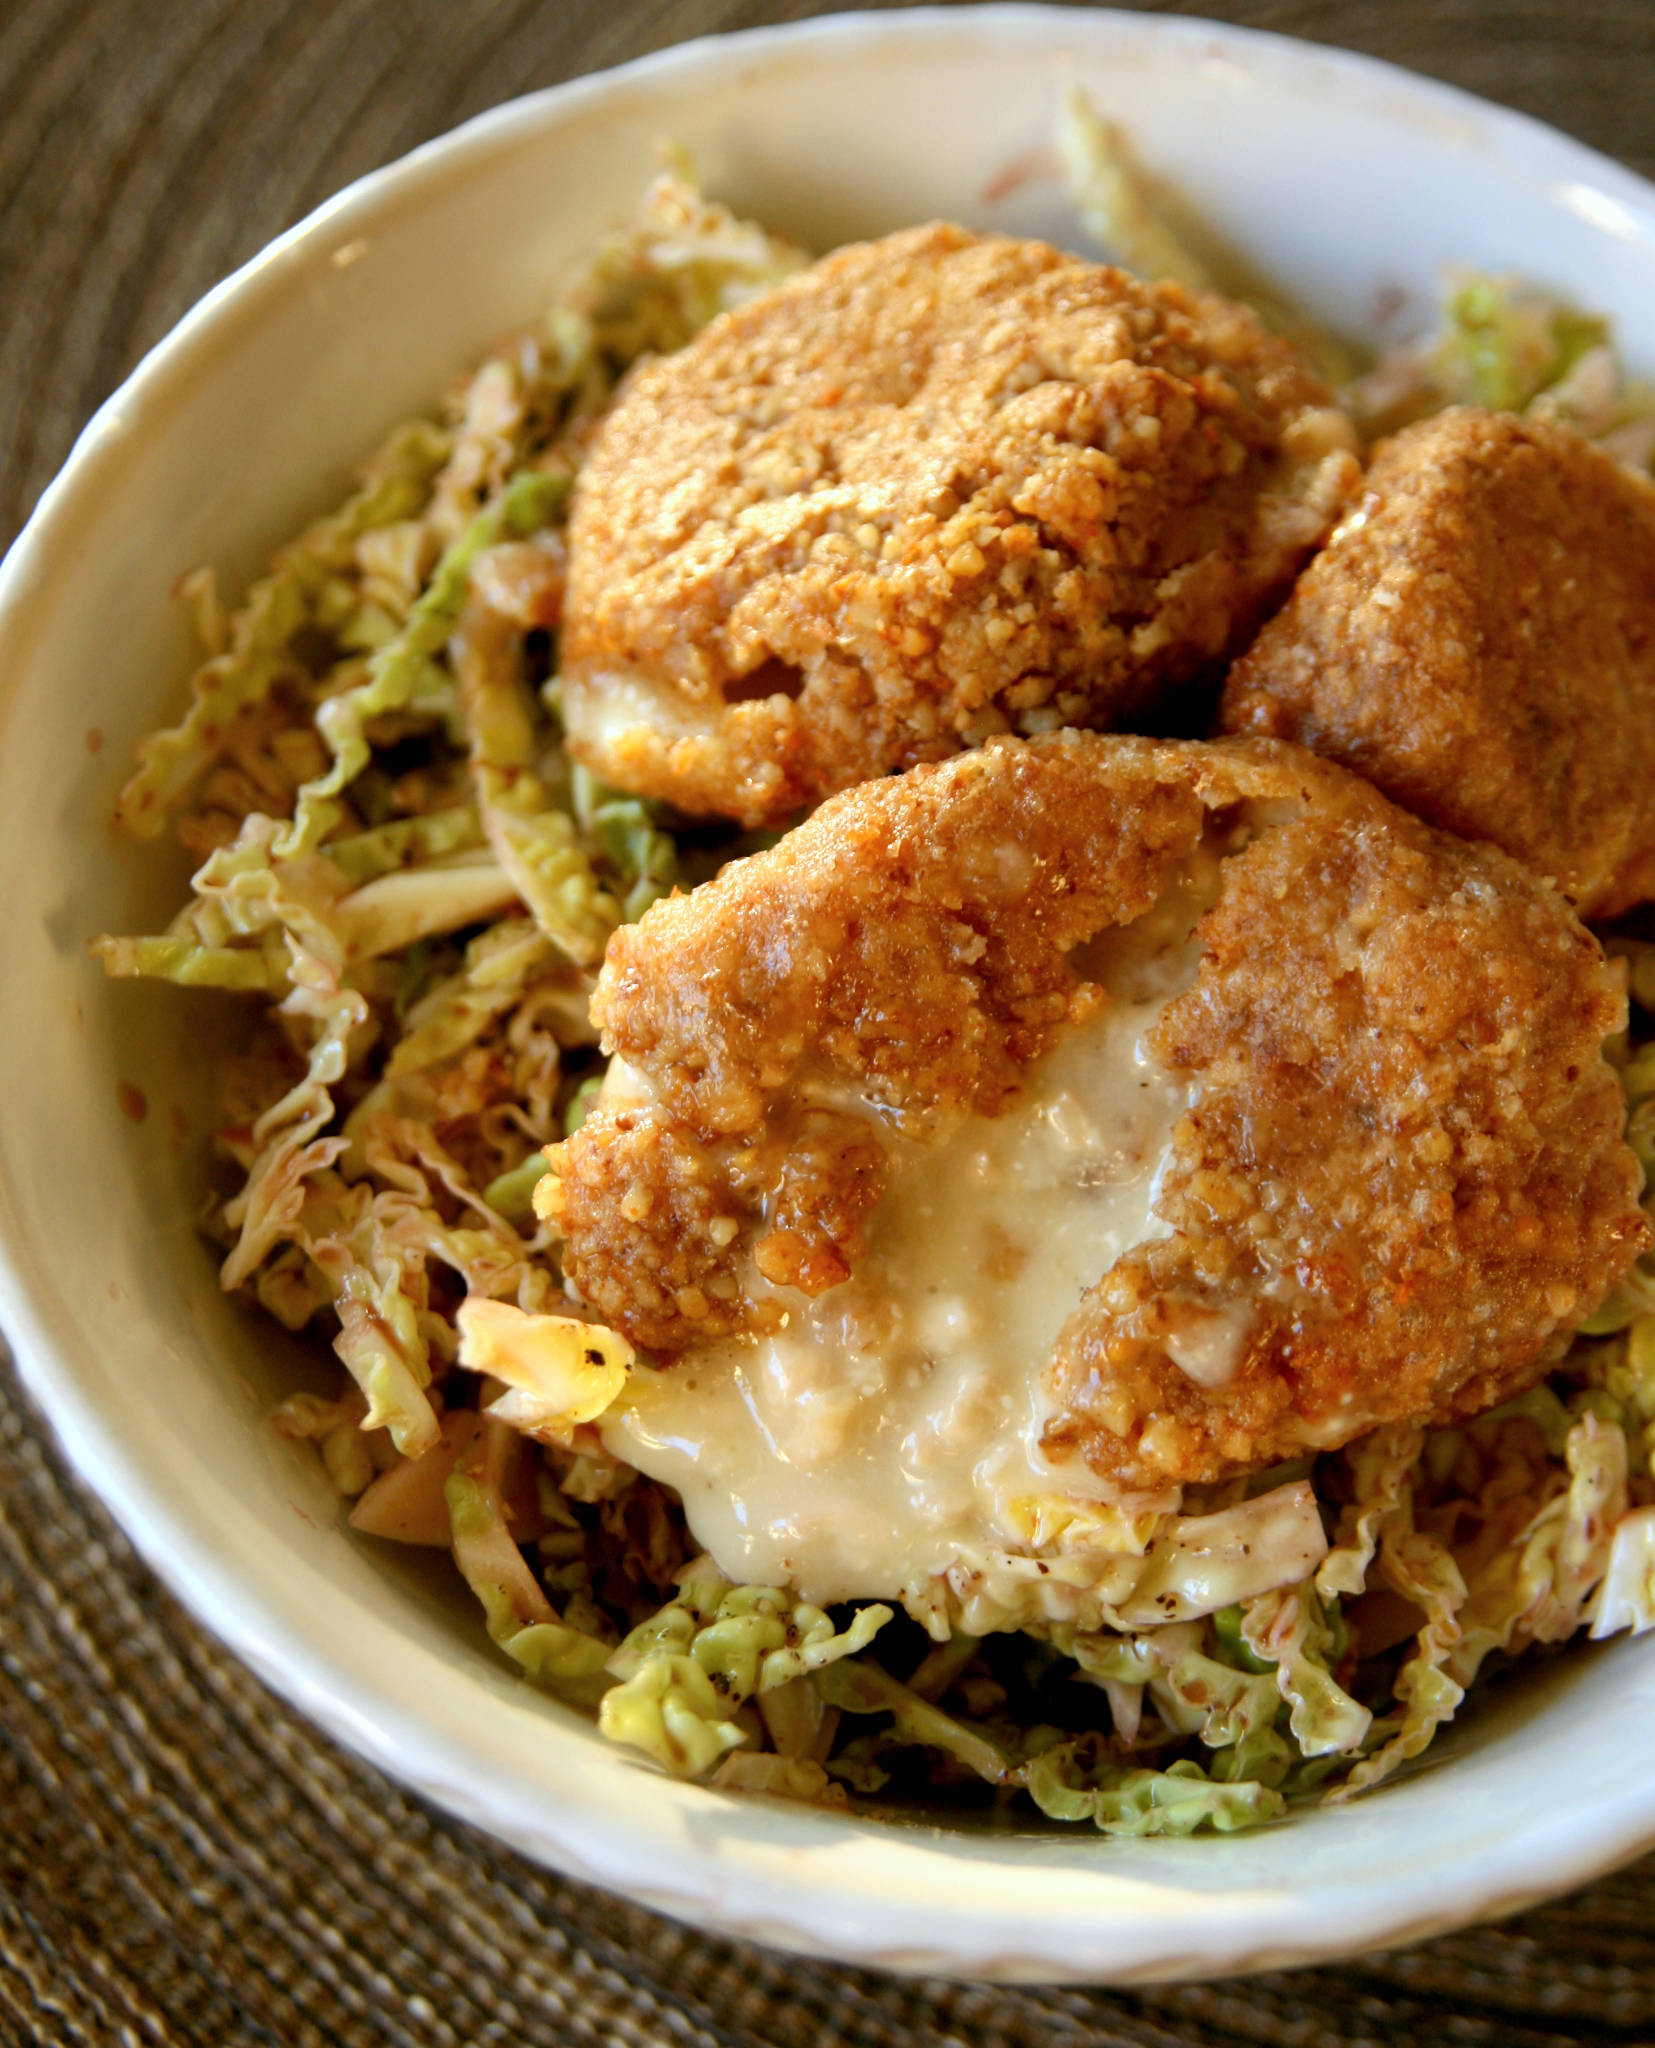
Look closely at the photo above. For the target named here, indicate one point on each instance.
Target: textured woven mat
(182, 1860)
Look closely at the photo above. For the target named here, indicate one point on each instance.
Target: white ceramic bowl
(1351, 185)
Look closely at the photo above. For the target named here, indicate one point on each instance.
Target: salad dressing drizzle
(894, 1423)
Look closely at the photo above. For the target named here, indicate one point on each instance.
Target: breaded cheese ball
(1478, 640)
(934, 488)
(1391, 1175)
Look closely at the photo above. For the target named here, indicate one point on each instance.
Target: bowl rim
(831, 1908)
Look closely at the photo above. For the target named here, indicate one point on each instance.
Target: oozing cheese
(895, 1421)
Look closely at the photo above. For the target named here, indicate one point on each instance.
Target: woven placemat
(182, 1859)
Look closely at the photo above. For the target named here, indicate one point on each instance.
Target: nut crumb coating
(909, 946)
(1404, 1178)
(937, 487)
(1478, 640)
(1401, 1180)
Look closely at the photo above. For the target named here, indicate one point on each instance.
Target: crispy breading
(936, 487)
(1478, 639)
(1406, 1166)
(910, 941)
(1403, 1177)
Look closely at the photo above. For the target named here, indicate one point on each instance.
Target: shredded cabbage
(537, 844)
(1116, 203)
(1291, 1630)
(1130, 218)
(406, 843)
(1626, 1598)
(782, 1777)
(673, 1711)
(863, 1688)
(1507, 346)
(520, 1617)
(381, 1341)
(641, 857)
(710, 1651)
(1535, 1588)
(1232, 1711)
(1092, 1567)
(399, 668)
(1201, 1563)
(1071, 1782)
(258, 649)
(559, 1373)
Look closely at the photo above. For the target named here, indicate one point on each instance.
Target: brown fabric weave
(183, 1860)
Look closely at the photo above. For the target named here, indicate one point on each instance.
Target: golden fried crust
(937, 487)
(1403, 1175)
(908, 943)
(1478, 639)
(1406, 1156)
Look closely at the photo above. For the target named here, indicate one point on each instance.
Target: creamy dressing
(894, 1424)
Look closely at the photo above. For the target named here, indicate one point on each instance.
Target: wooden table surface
(181, 1859)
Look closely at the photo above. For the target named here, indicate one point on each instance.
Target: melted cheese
(894, 1423)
